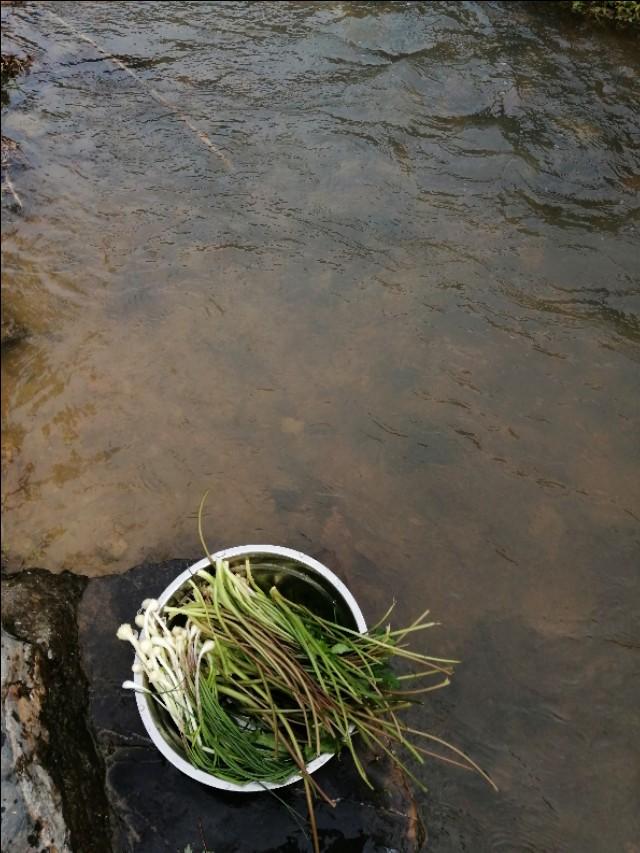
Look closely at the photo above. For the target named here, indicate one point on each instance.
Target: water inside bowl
(297, 583)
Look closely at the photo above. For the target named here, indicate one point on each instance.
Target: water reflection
(401, 330)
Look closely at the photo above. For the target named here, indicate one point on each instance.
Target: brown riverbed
(399, 326)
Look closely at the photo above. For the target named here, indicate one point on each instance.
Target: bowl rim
(143, 699)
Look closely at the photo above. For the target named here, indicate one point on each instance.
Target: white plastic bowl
(146, 705)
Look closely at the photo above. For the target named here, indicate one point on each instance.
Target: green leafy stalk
(256, 685)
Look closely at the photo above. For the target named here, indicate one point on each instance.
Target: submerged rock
(8, 147)
(11, 64)
(11, 332)
(110, 788)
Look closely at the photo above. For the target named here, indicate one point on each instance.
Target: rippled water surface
(369, 273)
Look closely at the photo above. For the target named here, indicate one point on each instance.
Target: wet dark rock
(39, 611)
(31, 801)
(115, 789)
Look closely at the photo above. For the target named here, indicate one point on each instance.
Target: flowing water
(369, 273)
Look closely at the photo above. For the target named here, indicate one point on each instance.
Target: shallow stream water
(368, 272)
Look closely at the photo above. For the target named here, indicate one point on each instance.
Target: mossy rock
(624, 13)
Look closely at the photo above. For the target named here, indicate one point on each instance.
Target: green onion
(255, 686)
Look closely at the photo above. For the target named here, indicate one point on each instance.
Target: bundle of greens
(253, 685)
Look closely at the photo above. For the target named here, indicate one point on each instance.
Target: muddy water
(388, 314)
